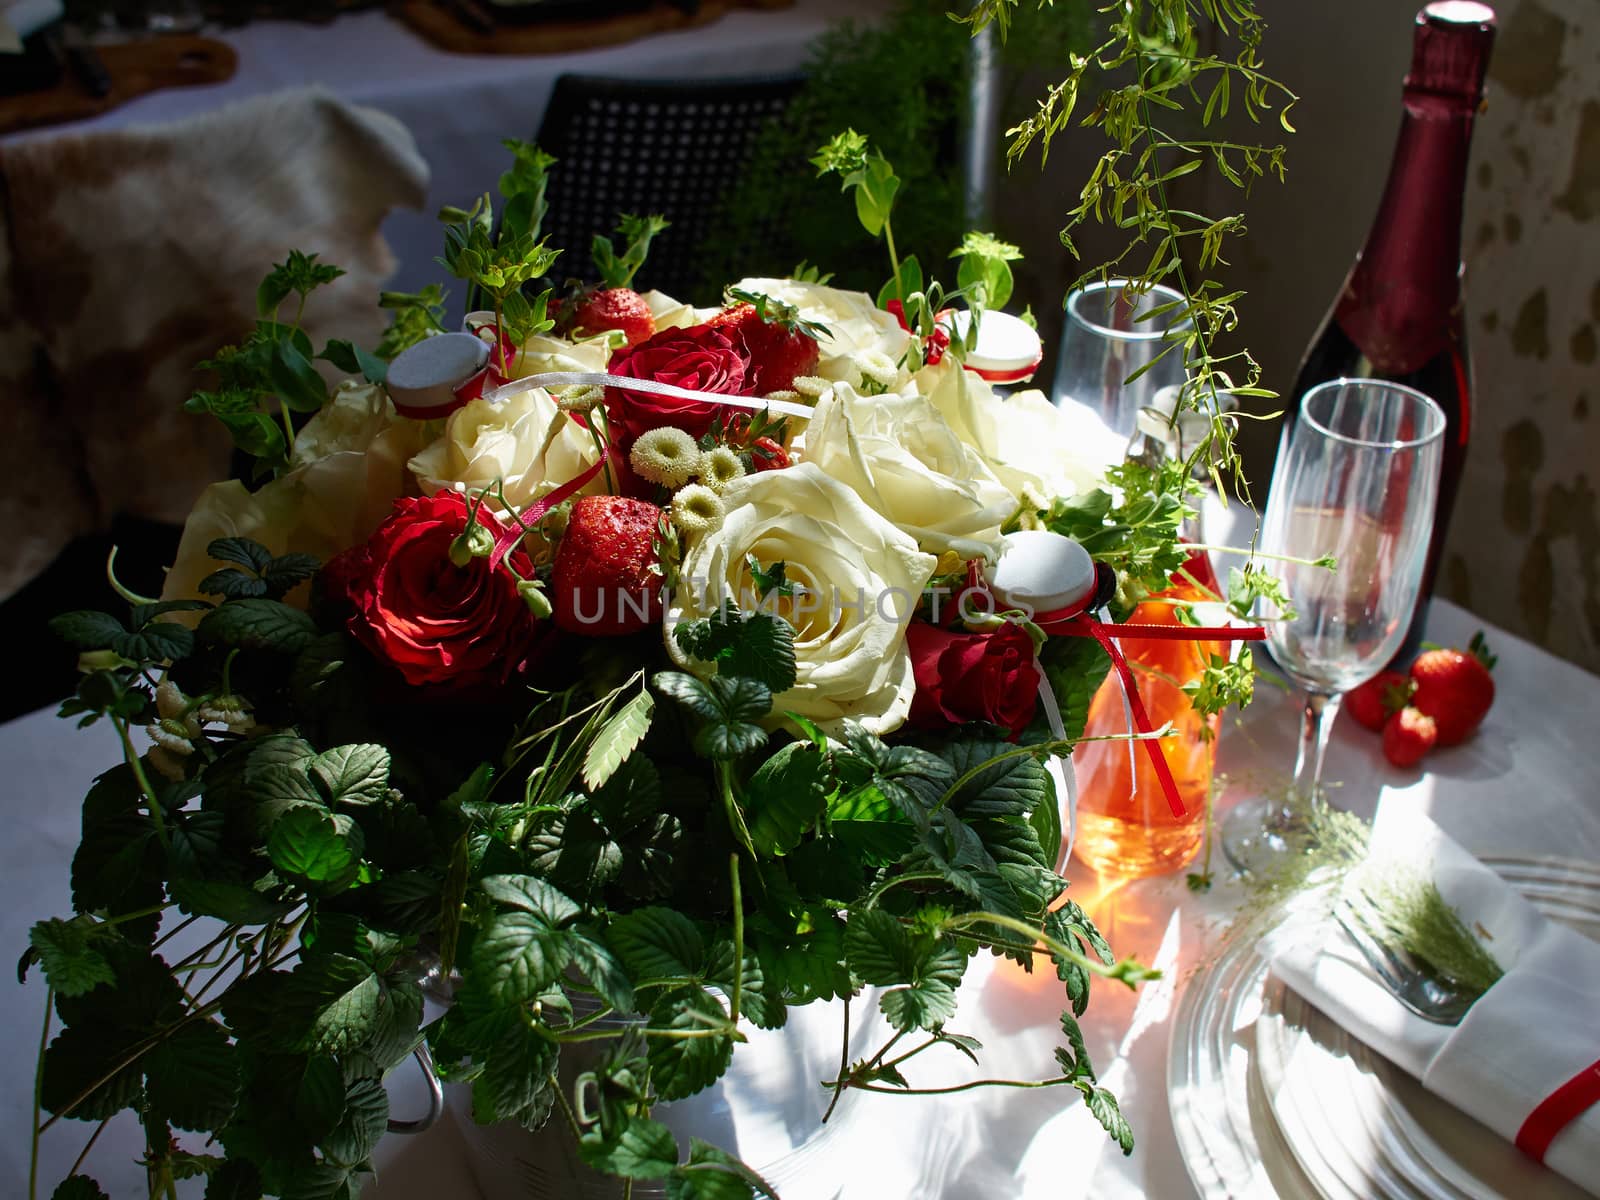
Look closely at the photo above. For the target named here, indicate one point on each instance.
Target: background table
(458, 106)
(1523, 784)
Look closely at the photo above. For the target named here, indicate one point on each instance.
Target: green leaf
(785, 797)
(658, 943)
(515, 1075)
(77, 1058)
(879, 949)
(287, 571)
(334, 1002)
(87, 630)
(1106, 1110)
(864, 820)
(321, 1181)
(641, 1149)
(365, 1121)
(349, 357)
(258, 624)
(694, 694)
(78, 1187)
(1013, 786)
(156, 642)
(316, 846)
(763, 650)
(356, 774)
(193, 1076)
(603, 970)
(682, 1066)
(319, 1097)
(617, 739)
(713, 1174)
(244, 552)
(530, 895)
(236, 1179)
(232, 584)
(518, 955)
(72, 964)
(295, 378)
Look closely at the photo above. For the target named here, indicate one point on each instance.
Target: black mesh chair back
(675, 147)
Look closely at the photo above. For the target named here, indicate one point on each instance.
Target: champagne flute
(1357, 481)
(1106, 337)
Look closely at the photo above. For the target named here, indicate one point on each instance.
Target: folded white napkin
(1529, 1034)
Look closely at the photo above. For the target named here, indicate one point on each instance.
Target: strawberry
(606, 579)
(1454, 687)
(613, 308)
(1379, 698)
(1407, 736)
(766, 454)
(780, 344)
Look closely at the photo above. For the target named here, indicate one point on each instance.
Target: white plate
(1269, 1097)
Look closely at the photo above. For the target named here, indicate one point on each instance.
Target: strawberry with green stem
(613, 304)
(780, 343)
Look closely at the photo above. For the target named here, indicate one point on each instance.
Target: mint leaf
(927, 1005)
(244, 552)
(602, 969)
(155, 642)
(879, 949)
(78, 1187)
(295, 378)
(759, 645)
(689, 691)
(683, 1066)
(79, 1056)
(713, 1174)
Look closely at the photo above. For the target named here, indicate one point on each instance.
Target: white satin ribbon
(649, 386)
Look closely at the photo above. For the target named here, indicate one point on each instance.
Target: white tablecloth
(460, 106)
(1523, 784)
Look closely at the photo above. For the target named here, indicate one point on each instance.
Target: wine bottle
(1399, 315)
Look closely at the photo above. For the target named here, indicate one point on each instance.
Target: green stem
(884, 1049)
(965, 1087)
(121, 918)
(894, 260)
(137, 766)
(87, 1146)
(844, 1062)
(912, 1053)
(499, 342)
(738, 936)
(566, 1108)
(38, 1095)
(600, 448)
(1128, 971)
(912, 877)
(1324, 561)
(132, 597)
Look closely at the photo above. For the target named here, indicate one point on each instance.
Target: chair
(675, 147)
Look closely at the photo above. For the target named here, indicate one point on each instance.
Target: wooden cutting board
(446, 23)
(135, 68)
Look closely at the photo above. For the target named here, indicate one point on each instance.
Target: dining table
(1521, 785)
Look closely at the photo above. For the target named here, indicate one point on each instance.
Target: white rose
(347, 469)
(541, 354)
(512, 442)
(670, 313)
(860, 576)
(901, 456)
(1024, 439)
(856, 326)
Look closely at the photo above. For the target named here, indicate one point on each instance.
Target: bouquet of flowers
(608, 656)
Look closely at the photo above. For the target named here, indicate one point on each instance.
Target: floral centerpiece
(609, 657)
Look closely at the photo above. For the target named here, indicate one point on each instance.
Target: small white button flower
(720, 468)
(666, 456)
(697, 510)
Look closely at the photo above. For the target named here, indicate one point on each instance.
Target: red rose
(964, 677)
(700, 357)
(435, 622)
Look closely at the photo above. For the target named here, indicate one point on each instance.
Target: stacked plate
(1270, 1098)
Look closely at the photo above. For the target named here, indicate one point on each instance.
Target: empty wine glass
(1357, 481)
(1106, 337)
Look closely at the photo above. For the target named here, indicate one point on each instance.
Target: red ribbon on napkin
(1558, 1110)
